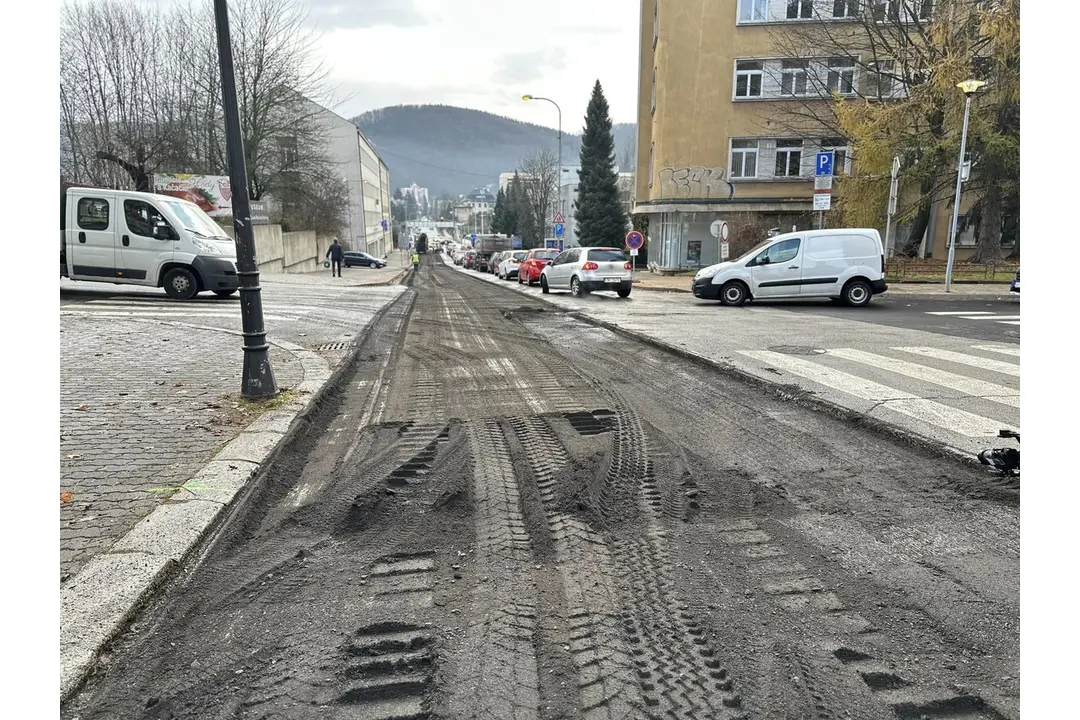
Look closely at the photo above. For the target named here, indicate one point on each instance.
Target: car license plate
(611, 280)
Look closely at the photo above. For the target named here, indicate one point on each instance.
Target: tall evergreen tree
(514, 198)
(600, 217)
(498, 215)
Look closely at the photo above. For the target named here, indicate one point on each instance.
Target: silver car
(509, 263)
(588, 269)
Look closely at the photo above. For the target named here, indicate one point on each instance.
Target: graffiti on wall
(695, 182)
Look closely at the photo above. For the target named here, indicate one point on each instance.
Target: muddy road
(507, 513)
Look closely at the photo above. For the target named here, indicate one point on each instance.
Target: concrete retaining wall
(301, 251)
(282, 252)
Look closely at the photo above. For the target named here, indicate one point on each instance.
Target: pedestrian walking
(415, 260)
(336, 253)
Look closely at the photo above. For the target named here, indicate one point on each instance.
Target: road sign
(823, 165)
(383, 223)
(725, 251)
(822, 201)
(633, 252)
(634, 240)
(559, 219)
(473, 237)
(559, 228)
(823, 182)
(516, 243)
(719, 229)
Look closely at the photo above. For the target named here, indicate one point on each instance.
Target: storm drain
(590, 423)
(328, 347)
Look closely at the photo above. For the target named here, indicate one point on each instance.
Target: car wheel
(575, 287)
(224, 293)
(180, 284)
(623, 292)
(734, 293)
(543, 285)
(857, 293)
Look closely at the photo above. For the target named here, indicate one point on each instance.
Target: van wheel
(543, 285)
(180, 284)
(224, 293)
(857, 293)
(734, 294)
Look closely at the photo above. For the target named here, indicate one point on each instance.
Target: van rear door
(91, 235)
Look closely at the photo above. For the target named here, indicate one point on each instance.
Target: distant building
(420, 194)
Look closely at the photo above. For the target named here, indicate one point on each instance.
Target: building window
(793, 77)
(887, 10)
(653, 109)
(800, 9)
(748, 78)
(925, 8)
(845, 8)
(753, 10)
(788, 158)
(652, 147)
(839, 148)
(880, 83)
(744, 155)
(841, 77)
(656, 24)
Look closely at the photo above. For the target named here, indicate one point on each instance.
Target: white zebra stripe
(1004, 368)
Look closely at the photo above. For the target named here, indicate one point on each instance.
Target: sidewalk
(396, 266)
(155, 441)
(988, 291)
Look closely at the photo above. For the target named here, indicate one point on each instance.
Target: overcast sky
(482, 54)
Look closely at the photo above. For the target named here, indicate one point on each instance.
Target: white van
(846, 265)
(138, 238)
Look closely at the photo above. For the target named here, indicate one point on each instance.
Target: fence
(914, 269)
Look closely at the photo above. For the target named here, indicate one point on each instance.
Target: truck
(421, 244)
(138, 238)
(491, 244)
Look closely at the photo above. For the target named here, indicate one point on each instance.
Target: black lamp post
(258, 380)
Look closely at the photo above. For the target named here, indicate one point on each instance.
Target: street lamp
(970, 87)
(558, 183)
(258, 379)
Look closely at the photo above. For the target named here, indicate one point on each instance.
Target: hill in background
(451, 150)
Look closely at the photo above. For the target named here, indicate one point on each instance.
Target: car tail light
(626, 266)
(590, 266)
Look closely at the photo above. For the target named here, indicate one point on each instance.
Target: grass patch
(239, 410)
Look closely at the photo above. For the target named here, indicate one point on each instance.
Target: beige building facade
(722, 132)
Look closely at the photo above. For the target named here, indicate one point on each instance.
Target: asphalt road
(507, 513)
(994, 320)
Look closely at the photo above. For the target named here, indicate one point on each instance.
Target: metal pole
(558, 182)
(258, 376)
(956, 198)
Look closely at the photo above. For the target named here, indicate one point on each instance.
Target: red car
(533, 264)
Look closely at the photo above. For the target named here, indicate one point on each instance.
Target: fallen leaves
(81, 408)
(65, 497)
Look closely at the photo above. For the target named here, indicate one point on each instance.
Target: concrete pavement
(155, 441)
(948, 392)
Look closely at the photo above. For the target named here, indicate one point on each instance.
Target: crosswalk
(972, 394)
(979, 315)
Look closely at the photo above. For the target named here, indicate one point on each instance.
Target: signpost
(823, 174)
(891, 210)
(719, 230)
(559, 228)
(634, 241)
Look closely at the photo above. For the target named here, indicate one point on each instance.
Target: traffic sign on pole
(822, 201)
(823, 165)
(559, 228)
(559, 219)
(719, 229)
(634, 240)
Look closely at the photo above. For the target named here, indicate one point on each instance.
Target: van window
(142, 217)
(93, 213)
(781, 252)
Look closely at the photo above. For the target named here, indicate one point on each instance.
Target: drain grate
(335, 346)
(797, 350)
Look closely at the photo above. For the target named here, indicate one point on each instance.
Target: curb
(927, 295)
(98, 604)
(787, 393)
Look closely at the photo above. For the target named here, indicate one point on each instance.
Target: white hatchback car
(846, 264)
(509, 263)
(587, 269)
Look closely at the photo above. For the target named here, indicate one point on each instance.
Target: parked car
(510, 264)
(493, 264)
(362, 259)
(588, 269)
(470, 260)
(845, 265)
(482, 262)
(535, 261)
(1014, 287)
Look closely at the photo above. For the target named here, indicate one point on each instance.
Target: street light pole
(970, 87)
(558, 181)
(258, 376)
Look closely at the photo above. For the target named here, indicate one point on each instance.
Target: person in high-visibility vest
(415, 260)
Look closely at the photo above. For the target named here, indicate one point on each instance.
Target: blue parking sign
(823, 164)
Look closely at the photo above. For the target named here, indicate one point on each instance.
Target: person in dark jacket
(336, 253)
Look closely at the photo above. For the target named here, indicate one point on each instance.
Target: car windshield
(545, 255)
(606, 256)
(193, 218)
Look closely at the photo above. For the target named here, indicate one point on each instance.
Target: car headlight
(206, 247)
(706, 273)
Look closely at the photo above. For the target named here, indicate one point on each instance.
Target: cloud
(351, 14)
(516, 69)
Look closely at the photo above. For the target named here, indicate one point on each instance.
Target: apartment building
(731, 109)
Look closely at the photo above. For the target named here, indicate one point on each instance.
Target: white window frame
(804, 9)
(743, 153)
(755, 10)
(788, 151)
(794, 72)
(849, 9)
(749, 74)
(890, 10)
(885, 69)
(840, 67)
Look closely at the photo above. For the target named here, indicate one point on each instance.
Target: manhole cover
(797, 350)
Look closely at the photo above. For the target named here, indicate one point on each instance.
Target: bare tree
(539, 172)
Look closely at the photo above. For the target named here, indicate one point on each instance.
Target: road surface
(506, 512)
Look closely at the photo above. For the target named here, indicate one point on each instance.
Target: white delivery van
(845, 265)
(138, 238)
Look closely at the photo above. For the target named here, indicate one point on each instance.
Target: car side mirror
(163, 232)
(764, 261)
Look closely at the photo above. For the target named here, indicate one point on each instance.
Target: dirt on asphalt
(506, 513)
